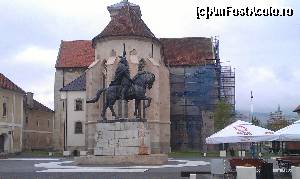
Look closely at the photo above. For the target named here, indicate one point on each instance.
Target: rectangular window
(78, 127)
(78, 105)
(4, 105)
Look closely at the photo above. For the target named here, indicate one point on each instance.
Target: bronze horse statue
(137, 91)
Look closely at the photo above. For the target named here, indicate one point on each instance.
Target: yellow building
(11, 116)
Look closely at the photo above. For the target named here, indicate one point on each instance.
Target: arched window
(78, 127)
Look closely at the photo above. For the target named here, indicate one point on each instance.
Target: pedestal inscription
(129, 137)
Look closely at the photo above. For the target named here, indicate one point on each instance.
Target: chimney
(115, 8)
(29, 99)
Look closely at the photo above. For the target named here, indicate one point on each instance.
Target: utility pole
(251, 106)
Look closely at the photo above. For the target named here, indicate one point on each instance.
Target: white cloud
(255, 76)
(43, 88)
(34, 69)
(36, 56)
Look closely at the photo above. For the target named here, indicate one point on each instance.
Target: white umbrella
(241, 131)
(289, 133)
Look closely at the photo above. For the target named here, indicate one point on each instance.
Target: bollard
(246, 172)
(193, 176)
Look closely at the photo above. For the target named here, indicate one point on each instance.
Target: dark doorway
(75, 153)
(1, 143)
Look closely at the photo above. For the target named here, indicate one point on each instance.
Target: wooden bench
(285, 163)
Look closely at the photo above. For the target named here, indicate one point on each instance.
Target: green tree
(222, 115)
(255, 121)
(277, 124)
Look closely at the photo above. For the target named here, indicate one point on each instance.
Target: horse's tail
(99, 92)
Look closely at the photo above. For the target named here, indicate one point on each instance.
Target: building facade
(38, 125)
(98, 59)
(11, 119)
(74, 96)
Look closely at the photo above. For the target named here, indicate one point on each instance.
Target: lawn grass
(41, 153)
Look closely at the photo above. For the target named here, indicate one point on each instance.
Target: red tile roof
(127, 22)
(177, 51)
(39, 106)
(5, 83)
(187, 51)
(78, 53)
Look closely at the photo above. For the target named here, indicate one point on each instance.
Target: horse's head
(145, 79)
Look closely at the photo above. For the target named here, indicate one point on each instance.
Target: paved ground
(52, 168)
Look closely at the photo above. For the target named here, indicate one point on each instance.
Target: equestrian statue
(124, 88)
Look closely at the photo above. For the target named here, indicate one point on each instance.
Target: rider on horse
(122, 76)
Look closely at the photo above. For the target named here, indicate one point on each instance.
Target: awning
(241, 131)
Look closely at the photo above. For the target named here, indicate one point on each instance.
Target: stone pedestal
(124, 141)
(122, 137)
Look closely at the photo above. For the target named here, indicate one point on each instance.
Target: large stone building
(172, 60)
(99, 58)
(11, 116)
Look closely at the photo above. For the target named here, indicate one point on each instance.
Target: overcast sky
(263, 50)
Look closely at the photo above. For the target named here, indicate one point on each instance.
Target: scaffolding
(225, 77)
(195, 90)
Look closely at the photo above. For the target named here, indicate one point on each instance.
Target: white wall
(143, 48)
(73, 139)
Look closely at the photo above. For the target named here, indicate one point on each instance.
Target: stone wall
(94, 81)
(38, 127)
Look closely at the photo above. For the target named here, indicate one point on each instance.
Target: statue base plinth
(153, 159)
(122, 137)
(122, 141)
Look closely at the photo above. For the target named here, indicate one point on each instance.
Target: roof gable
(38, 106)
(187, 51)
(127, 22)
(79, 84)
(75, 54)
(5, 83)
